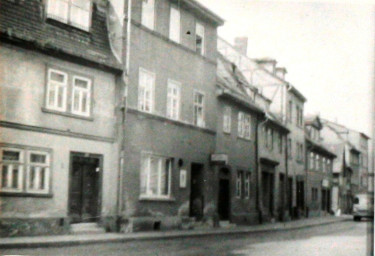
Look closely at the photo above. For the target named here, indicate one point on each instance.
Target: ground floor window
(156, 176)
(24, 170)
(243, 184)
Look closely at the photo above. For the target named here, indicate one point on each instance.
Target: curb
(155, 236)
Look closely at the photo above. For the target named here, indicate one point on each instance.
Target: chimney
(280, 72)
(240, 44)
(268, 64)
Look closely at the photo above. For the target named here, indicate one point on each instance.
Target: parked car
(363, 206)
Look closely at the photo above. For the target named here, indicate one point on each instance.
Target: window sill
(24, 194)
(66, 114)
(155, 198)
(245, 139)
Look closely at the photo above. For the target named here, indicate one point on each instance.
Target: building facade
(169, 129)
(58, 152)
(318, 165)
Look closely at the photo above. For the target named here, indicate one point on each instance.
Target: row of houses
(138, 117)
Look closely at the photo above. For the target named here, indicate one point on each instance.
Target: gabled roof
(313, 120)
(275, 121)
(24, 23)
(319, 147)
(203, 11)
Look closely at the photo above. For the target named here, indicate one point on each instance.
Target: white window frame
(173, 112)
(239, 179)
(227, 119)
(38, 167)
(200, 31)
(81, 91)
(197, 105)
(159, 195)
(57, 85)
(9, 163)
(247, 184)
(149, 19)
(175, 24)
(142, 98)
(68, 17)
(244, 125)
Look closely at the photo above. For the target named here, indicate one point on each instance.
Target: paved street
(339, 239)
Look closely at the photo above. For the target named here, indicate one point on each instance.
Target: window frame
(172, 84)
(25, 162)
(227, 119)
(178, 26)
(159, 195)
(65, 85)
(244, 126)
(152, 91)
(68, 19)
(247, 184)
(239, 183)
(20, 163)
(203, 44)
(143, 21)
(202, 105)
(89, 95)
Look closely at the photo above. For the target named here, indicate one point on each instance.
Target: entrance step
(226, 224)
(86, 228)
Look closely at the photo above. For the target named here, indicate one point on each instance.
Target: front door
(84, 188)
(196, 191)
(223, 204)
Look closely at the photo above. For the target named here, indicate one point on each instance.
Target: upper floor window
(269, 139)
(57, 96)
(81, 96)
(290, 148)
(312, 161)
(173, 100)
(146, 90)
(317, 163)
(289, 114)
(174, 24)
(297, 115)
(280, 142)
(23, 170)
(244, 126)
(156, 176)
(148, 13)
(73, 12)
(227, 119)
(199, 109)
(199, 38)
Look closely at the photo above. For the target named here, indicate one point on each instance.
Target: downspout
(258, 167)
(124, 104)
(286, 182)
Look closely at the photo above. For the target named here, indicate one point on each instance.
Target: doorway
(196, 191)
(267, 191)
(224, 194)
(84, 187)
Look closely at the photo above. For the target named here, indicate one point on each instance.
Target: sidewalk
(68, 240)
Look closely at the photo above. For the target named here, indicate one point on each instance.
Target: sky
(326, 46)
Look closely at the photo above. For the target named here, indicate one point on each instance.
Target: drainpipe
(124, 104)
(286, 182)
(259, 172)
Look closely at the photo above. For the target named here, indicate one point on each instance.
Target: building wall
(153, 132)
(241, 157)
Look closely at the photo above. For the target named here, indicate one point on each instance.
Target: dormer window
(76, 13)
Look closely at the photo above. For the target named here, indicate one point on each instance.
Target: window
(244, 126)
(314, 194)
(57, 96)
(37, 172)
(280, 143)
(290, 148)
(301, 117)
(56, 90)
(146, 91)
(81, 96)
(174, 25)
(312, 161)
(297, 115)
(24, 175)
(73, 12)
(329, 165)
(199, 38)
(199, 109)
(156, 176)
(239, 183)
(11, 170)
(148, 13)
(299, 149)
(269, 138)
(290, 111)
(324, 164)
(173, 100)
(247, 184)
(317, 162)
(297, 152)
(227, 119)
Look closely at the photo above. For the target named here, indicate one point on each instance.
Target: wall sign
(183, 178)
(219, 158)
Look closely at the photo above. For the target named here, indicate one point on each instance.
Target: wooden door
(84, 189)
(224, 199)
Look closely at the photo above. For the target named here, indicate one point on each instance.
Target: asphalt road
(339, 239)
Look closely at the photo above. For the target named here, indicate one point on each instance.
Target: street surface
(339, 239)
